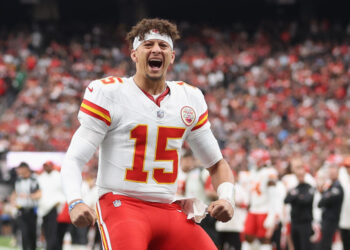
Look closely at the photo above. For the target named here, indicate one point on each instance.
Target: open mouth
(155, 63)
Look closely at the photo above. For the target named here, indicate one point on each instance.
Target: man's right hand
(82, 215)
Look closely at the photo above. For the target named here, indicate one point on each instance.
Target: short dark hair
(23, 164)
(145, 25)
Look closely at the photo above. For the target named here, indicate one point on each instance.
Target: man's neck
(153, 87)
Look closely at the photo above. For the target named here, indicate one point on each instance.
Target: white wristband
(226, 191)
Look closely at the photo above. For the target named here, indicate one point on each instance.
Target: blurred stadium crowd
(284, 87)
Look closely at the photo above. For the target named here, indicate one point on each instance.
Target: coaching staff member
(301, 199)
(330, 203)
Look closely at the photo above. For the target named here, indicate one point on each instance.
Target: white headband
(152, 34)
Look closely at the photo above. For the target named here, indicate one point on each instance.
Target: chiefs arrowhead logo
(188, 115)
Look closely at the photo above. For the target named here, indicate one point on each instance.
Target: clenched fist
(221, 210)
(82, 215)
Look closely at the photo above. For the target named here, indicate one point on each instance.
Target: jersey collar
(159, 98)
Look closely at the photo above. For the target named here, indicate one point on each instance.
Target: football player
(264, 202)
(139, 124)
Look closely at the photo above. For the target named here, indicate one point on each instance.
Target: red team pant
(131, 224)
(254, 225)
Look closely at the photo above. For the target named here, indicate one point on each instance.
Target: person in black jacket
(330, 203)
(301, 200)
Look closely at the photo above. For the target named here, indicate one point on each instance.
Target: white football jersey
(259, 198)
(140, 153)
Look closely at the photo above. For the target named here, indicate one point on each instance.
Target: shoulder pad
(106, 83)
(187, 88)
(186, 85)
(111, 80)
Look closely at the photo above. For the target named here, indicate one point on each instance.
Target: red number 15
(140, 135)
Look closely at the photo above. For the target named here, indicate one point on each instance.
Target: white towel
(195, 209)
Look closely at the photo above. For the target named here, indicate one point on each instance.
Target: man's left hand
(221, 210)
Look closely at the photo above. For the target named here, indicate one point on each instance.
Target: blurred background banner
(34, 159)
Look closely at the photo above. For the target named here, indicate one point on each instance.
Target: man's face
(333, 172)
(298, 169)
(23, 172)
(48, 167)
(153, 58)
(299, 172)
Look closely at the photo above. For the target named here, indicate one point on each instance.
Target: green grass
(5, 243)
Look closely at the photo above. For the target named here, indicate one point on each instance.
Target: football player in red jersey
(139, 124)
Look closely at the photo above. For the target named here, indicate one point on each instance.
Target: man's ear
(133, 56)
(172, 57)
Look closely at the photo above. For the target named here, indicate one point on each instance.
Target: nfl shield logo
(188, 115)
(117, 203)
(160, 113)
